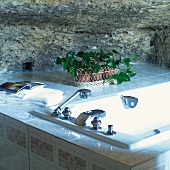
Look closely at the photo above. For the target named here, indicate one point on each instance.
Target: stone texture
(42, 149)
(16, 136)
(160, 47)
(38, 30)
(71, 162)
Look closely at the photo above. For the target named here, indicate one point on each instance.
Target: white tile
(2, 126)
(41, 133)
(153, 162)
(15, 122)
(164, 145)
(160, 166)
(40, 165)
(15, 160)
(94, 165)
(2, 155)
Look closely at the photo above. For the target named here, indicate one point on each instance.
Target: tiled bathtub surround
(16, 136)
(95, 167)
(42, 148)
(1, 129)
(1, 126)
(70, 161)
(54, 147)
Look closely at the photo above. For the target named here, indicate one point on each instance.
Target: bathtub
(146, 124)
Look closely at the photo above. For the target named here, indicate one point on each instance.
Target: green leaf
(116, 77)
(74, 63)
(58, 60)
(70, 54)
(101, 51)
(109, 54)
(88, 67)
(117, 62)
(121, 77)
(131, 73)
(119, 80)
(103, 55)
(66, 65)
(73, 71)
(86, 57)
(96, 68)
(111, 63)
(124, 76)
(127, 61)
(114, 51)
(80, 54)
(134, 56)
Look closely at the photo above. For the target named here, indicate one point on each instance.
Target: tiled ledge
(147, 74)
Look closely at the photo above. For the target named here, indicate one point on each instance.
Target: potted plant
(97, 67)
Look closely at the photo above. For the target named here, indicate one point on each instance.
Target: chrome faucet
(129, 101)
(83, 93)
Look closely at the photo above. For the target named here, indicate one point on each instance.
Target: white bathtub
(147, 123)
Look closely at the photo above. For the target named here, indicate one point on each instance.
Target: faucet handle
(56, 112)
(96, 123)
(66, 112)
(110, 130)
(81, 119)
(84, 93)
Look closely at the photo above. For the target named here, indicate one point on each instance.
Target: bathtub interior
(152, 112)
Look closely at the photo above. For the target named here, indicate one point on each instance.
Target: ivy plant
(93, 62)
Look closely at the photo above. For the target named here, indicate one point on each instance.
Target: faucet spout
(129, 101)
(81, 119)
(83, 93)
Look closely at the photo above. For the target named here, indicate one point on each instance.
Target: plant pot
(83, 77)
(88, 79)
(107, 73)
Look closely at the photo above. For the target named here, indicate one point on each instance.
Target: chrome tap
(96, 113)
(83, 93)
(129, 101)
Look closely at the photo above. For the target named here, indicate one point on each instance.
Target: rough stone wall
(39, 30)
(160, 47)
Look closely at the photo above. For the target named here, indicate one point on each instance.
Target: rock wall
(38, 30)
(160, 47)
